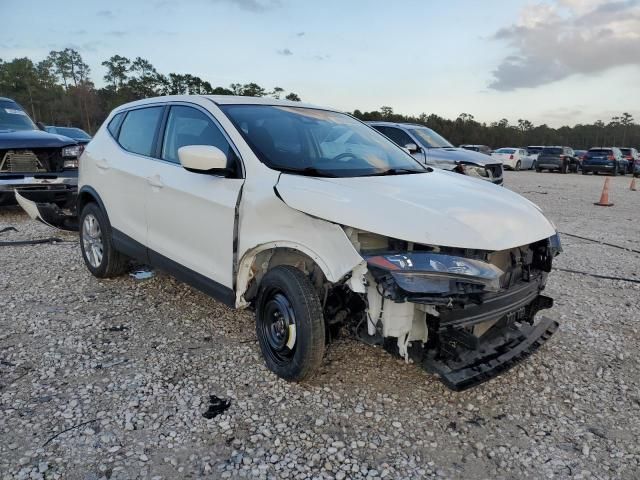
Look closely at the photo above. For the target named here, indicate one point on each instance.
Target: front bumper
(9, 182)
(55, 207)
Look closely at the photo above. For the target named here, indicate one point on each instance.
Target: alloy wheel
(92, 240)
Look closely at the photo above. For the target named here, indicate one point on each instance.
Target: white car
(315, 219)
(514, 158)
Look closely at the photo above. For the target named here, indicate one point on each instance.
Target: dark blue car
(31, 158)
(605, 160)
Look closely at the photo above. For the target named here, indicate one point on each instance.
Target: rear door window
(138, 130)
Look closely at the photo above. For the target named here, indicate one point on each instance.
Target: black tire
(584, 172)
(533, 166)
(538, 169)
(564, 168)
(111, 262)
(615, 171)
(286, 298)
(518, 165)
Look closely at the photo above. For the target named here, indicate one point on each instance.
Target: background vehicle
(429, 148)
(80, 136)
(31, 158)
(580, 154)
(478, 148)
(316, 219)
(534, 151)
(562, 159)
(514, 158)
(605, 159)
(632, 156)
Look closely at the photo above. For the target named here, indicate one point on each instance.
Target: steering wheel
(343, 157)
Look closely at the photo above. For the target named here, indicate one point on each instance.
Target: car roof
(223, 100)
(8, 99)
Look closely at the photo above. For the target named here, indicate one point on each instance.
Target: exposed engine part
(21, 161)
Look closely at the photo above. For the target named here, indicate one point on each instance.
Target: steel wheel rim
(92, 240)
(278, 327)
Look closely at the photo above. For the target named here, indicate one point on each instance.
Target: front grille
(22, 161)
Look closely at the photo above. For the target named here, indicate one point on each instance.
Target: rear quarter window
(114, 124)
(138, 130)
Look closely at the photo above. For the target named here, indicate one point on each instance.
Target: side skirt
(132, 248)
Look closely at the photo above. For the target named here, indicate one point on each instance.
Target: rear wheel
(290, 324)
(99, 255)
(518, 165)
(564, 168)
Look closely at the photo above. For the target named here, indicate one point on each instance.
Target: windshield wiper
(307, 171)
(396, 171)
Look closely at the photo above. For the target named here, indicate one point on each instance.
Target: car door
(191, 216)
(402, 138)
(122, 170)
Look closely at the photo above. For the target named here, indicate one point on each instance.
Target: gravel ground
(110, 379)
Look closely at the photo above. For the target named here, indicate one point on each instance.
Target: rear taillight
(611, 158)
(629, 157)
(511, 157)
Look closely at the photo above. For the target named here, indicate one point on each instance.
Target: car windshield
(430, 139)
(12, 117)
(552, 151)
(505, 150)
(315, 142)
(74, 133)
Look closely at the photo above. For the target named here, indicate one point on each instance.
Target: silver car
(431, 149)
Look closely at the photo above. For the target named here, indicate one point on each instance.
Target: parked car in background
(605, 160)
(534, 151)
(31, 158)
(79, 135)
(429, 148)
(562, 159)
(314, 219)
(478, 148)
(580, 154)
(632, 156)
(513, 158)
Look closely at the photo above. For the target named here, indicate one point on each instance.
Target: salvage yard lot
(133, 362)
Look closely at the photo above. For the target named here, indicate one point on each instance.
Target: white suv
(315, 219)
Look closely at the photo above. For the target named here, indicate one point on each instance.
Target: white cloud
(553, 41)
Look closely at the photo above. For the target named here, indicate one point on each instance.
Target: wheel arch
(88, 194)
(260, 259)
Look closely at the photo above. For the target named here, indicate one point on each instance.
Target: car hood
(437, 208)
(32, 139)
(460, 155)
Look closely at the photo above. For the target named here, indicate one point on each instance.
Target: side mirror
(41, 126)
(203, 159)
(412, 147)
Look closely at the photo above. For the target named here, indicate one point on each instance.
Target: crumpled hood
(32, 139)
(437, 208)
(461, 155)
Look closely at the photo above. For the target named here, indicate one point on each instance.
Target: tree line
(59, 91)
(619, 131)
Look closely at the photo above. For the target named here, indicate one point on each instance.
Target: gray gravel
(134, 361)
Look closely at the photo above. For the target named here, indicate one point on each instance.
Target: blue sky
(547, 61)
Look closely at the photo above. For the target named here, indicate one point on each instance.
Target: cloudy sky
(555, 61)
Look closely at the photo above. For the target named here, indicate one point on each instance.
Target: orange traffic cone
(604, 198)
(632, 187)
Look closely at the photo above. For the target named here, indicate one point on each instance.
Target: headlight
(472, 170)
(73, 151)
(425, 272)
(70, 163)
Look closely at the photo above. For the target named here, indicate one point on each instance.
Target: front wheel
(564, 168)
(290, 324)
(101, 258)
(615, 170)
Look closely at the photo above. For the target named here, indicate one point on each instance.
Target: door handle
(155, 181)
(102, 164)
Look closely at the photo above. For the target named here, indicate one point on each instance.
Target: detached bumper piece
(487, 358)
(53, 207)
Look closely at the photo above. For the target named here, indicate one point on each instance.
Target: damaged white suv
(315, 220)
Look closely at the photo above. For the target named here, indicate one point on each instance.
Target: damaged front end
(55, 207)
(465, 315)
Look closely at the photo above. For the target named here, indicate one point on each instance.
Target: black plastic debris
(117, 328)
(38, 241)
(216, 407)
